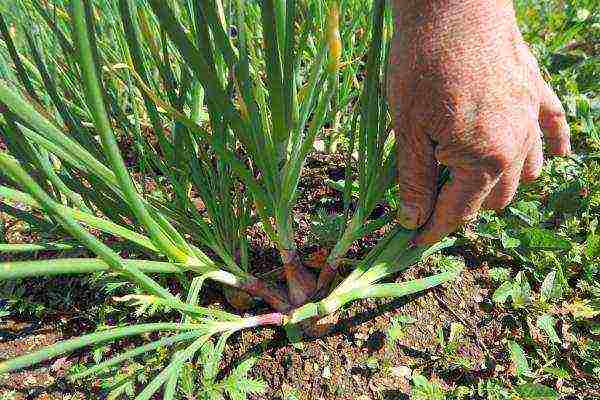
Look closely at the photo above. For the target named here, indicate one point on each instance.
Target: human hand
(466, 92)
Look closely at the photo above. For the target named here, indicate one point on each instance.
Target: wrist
(435, 29)
(410, 14)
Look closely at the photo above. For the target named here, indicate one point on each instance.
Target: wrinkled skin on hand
(466, 92)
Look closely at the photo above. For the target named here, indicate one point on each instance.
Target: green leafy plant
(451, 345)
(424, 389)
(219, 127)
(397, 328)
(237, 385)
(326, 228)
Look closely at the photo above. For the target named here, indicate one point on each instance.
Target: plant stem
(86, 340)
(365, 290)
(7, 248)
(277, 319)
(272, 296)
(382, 290)
(111, 148)
(86, 218)
(29, 114)
(66, 266)
(330, 270)
(253, 286)
(16, 172)
(129, 355)
(301, 283)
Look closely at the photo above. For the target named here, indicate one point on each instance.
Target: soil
(354, 361)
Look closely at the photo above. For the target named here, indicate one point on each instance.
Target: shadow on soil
(342, 327)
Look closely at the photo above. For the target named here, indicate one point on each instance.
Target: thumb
(417, 174)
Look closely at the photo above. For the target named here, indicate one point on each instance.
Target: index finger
(553, 122)
(458, 202)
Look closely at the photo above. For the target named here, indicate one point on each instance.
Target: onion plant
(221, 105)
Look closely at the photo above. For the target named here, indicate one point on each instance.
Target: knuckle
(531, 171)
(555, 117)
(503, 152)
(500, 161)
(530, 176)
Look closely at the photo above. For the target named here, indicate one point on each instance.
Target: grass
(542, 252)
